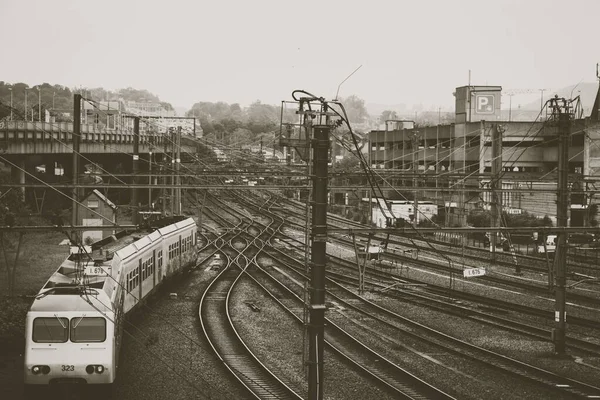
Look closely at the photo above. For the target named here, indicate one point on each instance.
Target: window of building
(92, 203)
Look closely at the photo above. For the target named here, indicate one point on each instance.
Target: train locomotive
(74, 326)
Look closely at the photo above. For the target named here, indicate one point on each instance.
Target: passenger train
(74, 326)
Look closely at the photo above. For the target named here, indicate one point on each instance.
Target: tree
(242, 136)
(262, 117)
(355, 108)
(388, 115)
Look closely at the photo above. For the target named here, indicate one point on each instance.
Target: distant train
(75, 324)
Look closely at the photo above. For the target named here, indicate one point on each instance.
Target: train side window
(88, 329)
(50, 330)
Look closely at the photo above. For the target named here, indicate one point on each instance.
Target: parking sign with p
(484, 103)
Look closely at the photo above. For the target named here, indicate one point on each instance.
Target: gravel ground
(277, 340)
(167, 358)
(536, 352)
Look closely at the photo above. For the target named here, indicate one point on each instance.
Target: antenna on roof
(338, 89)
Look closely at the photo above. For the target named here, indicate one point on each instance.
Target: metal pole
(11, 103)
(173, 172)
(542, 99)
(318, 262)
(150, 181)
(415, 141)
(135, 168)
(496, 184)
(562, 204)
(370, 188)
(76, 137)
(177, 164)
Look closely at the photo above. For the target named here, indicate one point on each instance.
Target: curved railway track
(219, 329)
(544, 378)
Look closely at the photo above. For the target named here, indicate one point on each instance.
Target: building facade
(451, 165)
(96, 210)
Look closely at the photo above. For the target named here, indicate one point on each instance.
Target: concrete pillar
(18, 175)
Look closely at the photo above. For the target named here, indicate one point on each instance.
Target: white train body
(74, 326)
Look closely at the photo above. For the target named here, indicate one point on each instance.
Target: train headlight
(90, 369)
(40, 369)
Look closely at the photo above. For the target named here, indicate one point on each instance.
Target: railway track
(371, 315)
(549, 381)
(218, 327)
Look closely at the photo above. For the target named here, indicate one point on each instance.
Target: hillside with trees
(58, 99)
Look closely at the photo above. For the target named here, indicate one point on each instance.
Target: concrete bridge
(36, 142)
(25, 145)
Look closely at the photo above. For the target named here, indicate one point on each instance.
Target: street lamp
(39, 104)
(542, 98)
(11, 103)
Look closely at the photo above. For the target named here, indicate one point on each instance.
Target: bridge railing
(63, 131)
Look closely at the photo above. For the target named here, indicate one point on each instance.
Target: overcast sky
(412, 52)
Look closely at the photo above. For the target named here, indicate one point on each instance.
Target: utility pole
(315, 142)
(172, 131)
(135, 168)
(316, 324)
(496, 184)
(177, 165)
(76, 137)
(150, 179)
(562, 207)
(370, 188)
(415, 168)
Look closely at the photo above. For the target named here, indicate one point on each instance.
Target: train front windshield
(50, 330)
(77, 330)
(91, 329)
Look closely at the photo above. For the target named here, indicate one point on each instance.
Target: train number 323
(68, 368)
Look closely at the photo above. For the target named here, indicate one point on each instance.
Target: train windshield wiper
(60, 322)
(78, 322)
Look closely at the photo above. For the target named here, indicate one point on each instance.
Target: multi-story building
(451, 165)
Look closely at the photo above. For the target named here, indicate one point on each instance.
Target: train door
(154, 268)
(160, 264)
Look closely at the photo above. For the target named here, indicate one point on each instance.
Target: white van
(550, 245)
